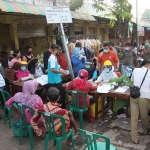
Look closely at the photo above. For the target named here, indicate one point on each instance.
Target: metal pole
(65, 47)
(137, 22)
(66, 51)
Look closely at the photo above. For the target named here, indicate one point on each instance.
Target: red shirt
(62, 61)
(108, 56)
(87, 88)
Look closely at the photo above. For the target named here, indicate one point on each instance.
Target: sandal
(136, 142)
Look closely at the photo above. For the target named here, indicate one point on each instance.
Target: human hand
(127, 96)
(99, 83)
(115, 70)
(63, 72)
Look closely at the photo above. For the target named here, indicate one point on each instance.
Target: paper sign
(55, 14)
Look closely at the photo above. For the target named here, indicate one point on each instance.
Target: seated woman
(27, 97)
(107, 73)
(22, 73)
(53, 107)
(16, 58)
(81, 84)
(124, 80)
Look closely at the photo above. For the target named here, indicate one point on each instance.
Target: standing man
(112, 47)
(47, 54)
(107, 54)
(128, 57)
(140, 106)
(54, 74)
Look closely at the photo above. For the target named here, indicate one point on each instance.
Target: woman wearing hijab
(27, 97)
(81, 84)
(77, 59)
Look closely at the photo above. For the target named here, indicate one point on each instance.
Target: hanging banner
(55, 14)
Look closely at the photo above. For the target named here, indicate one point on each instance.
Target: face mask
(39, 64)
(146, 44)
(29, 53)
(87, 66)
(128, 74)
(126, 48)
(106, 70)
(23, 68)
(105, 50)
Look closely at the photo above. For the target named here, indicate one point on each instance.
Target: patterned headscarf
(81, 79)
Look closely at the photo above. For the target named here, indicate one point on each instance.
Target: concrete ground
(118, 130)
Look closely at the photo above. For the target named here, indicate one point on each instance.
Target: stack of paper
(122, 89)
(43, 80)
(104, 88)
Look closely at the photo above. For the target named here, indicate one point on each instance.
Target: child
(125, 81)
(53, 107)
(22, 73)
(107, 73)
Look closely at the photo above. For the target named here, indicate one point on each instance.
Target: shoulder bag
(135, 90)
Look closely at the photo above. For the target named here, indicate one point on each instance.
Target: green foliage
(75, 4)
(119, 11)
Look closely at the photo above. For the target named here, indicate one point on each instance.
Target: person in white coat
(107, 73)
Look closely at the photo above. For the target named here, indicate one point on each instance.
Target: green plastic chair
(6, 96)
(51, 134)
(90, 141)
(74, 107)
(24, 123)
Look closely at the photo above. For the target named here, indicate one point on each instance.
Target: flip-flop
(136, 142)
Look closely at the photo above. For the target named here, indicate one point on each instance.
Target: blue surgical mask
(128, 74)
(87, 66)
(39, 64)
(107, 70)
(105, 50)
(23, 68)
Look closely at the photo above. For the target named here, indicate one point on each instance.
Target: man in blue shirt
(54, 72)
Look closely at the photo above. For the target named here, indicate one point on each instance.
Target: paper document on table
(122, 89)
(104, 88)
(43, 80)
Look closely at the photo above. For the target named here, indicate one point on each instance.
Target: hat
(107, 63)
(23, 63)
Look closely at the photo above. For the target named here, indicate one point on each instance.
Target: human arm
(10, 102)
(92, 88)
(117, 62)
(30, 76)
(71, 86)
(75, 61)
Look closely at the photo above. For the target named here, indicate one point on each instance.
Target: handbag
(135, 90)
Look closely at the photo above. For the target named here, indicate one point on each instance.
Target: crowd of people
(103, 67)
